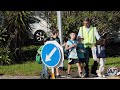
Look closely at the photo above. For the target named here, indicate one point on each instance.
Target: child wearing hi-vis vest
(99, 55)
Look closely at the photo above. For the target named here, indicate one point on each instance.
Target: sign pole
(51, 55)
(52, 74)
(59, 24)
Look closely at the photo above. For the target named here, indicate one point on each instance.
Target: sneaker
(80, 75)
(83, 75)
(42, 77)
(103, 76)
(86, 75)
(95, 73)
(49, 76)
(58, 76)
(99, 74)
(69, 76)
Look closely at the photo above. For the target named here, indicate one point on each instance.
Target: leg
(102, 63)
(69, 66)
(83, 70)
(43, 71)
(79, 69)
(57, 73)
(46, 72)
(100, 71)
(94, 66)
(70, 61)
(82, 67)
(87, 62)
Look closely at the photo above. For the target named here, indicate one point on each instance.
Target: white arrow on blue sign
(51, 54)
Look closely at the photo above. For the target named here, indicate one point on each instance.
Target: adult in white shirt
(89, 35)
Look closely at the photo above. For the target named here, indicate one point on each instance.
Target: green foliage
(4, 50)
(107, 22)
(17, 25)
(5, 56)
(15, 28)
(3, 35)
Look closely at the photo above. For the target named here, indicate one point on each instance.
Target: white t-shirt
(73, 53)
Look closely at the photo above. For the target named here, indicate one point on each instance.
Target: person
(65, 51)
(55, 34)
(44, 73)
(72, 57)
(100, 53)
(90, 34)
(80, 52)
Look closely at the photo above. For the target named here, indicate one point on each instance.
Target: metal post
(59, 24)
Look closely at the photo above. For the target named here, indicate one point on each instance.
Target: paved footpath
(38, 77)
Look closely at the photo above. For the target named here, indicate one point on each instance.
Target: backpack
(38, 56)
(67, 52)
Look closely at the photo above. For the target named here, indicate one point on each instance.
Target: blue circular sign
(50, 55)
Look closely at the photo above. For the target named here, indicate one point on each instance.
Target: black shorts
(73, 61)
(81, 60)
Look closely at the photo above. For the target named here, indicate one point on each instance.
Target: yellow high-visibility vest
(89, 37)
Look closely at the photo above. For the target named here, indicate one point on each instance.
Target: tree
(17, 26)
(107, 22)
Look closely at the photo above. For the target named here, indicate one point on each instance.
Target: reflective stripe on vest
(89, 37)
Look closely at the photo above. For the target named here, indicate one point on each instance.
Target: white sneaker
(103, 76)
(69, 76)
(118, 74)
(99, 74)
(83, 75)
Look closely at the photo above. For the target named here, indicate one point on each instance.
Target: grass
(28, 68)
(31, 68)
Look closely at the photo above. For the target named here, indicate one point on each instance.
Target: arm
(97, 35)
(79, 33)
(64, 44)
(83, 49)
(67, 47)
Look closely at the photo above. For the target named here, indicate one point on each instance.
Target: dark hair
(54, 32)
(46, 39)
(100, 42)
(65, 39)
(86, 19)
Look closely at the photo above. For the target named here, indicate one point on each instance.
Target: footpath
(63, 77)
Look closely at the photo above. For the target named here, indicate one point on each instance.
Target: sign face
(51, 54)
(112, 71)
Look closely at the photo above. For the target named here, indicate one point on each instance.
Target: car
(39, 29)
